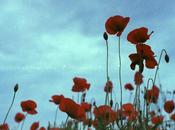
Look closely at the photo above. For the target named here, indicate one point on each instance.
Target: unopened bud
(167, 58)
(94, 103)
(16, 88)
(105, 36)
(111, 103)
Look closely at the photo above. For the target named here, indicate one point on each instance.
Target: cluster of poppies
(143, 113)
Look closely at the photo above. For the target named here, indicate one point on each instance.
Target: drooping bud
(16, 88)
(167, 58)
(105, 36)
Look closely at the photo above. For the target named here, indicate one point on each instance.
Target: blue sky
(44, 44)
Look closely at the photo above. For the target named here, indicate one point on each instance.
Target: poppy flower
(19, 117)
(108, 87)
(173, 117)
(157, 119)
(4, 126)
(80, 85)
(34, 126)
(56, 99)
(144, 53)
(139, 35)
(129, 111)
(29, 106)
(152, 95)
(129, 86)
(169, 106)
(104, 114)
(72, 109)
(116, 24)
(42, 128)
(86, 106)
(138, 78)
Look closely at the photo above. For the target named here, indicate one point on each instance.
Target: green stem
(22, 125)
(120, 65)
(120, 77)
(163, 51)
(107, 72)
(10, 107)
(107, 61)
(55, 119)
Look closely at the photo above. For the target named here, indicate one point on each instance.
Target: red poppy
(169, 106)
(144, 52)
(56, 99)
(29, 106)
(157, 119)
(19, 117)
(80, 85)
(116, 24)
(105, 115)
(108, 87)
(88, 122)
(129, 86)
(129, 111)
(42, 128)
(152, 95)
(72, 109)
(138, 78)
(4, 126)
(173, 117)
(86, 106)
(139, 35)
(34, 126)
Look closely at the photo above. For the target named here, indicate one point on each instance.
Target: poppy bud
(159, 110)
(167, 58)
(111, 103)
(140, 112)
(105, 36)
(94, 103)
(16, 88)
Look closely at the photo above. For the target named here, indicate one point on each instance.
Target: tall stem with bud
(13, 99)
(105, 36)
(166, 59)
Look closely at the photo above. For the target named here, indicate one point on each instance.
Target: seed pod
(105, 36)
(167, 58)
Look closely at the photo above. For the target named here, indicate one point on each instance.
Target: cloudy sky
(45, 44)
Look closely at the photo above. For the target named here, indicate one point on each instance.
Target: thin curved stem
(10, 107)
(163, 51)
(150, 79)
